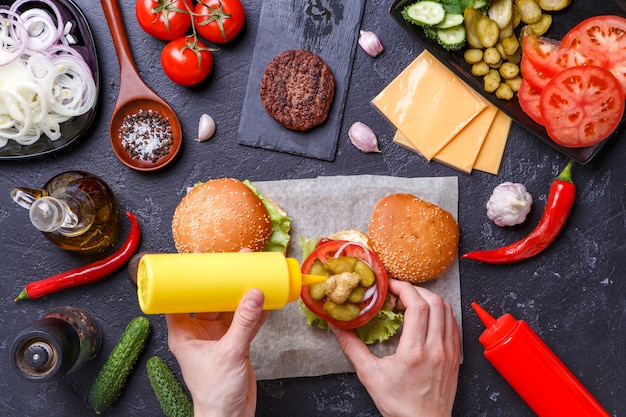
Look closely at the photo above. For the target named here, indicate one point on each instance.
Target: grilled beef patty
(297, 89)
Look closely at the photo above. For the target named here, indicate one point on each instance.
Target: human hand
(421, 377)
(213, 351)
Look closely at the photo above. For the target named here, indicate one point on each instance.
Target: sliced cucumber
(481, 4)
(452, 38)
(450, 20)
(424, 13)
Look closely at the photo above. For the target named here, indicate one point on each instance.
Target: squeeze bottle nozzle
(533, 370)
(216, 282)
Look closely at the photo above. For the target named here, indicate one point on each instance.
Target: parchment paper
(286, 346)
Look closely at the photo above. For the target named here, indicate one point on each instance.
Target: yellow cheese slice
(490, 154)
(462, 150)
(428, 104)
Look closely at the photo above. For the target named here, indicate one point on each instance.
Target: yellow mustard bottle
(216, 282)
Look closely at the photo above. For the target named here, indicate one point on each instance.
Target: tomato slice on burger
(581, 106)
(373, 296)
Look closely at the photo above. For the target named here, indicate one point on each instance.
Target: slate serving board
(328, 28)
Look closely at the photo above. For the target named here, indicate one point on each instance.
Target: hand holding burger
(420, 379)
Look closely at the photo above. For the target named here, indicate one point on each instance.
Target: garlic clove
(206, 128)
(509, 204)
(363, 137)
(370, 43)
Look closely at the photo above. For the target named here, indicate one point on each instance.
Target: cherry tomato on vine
(164, 19)
(219, 21)
(186, 60)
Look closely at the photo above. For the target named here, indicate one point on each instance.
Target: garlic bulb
(206, 128)
(370, 43)
(509, 204)
(363, 137)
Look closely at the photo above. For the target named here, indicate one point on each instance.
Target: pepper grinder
(60, 342)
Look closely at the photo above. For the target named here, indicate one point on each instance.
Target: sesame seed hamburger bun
(415, 240)
(221, 215)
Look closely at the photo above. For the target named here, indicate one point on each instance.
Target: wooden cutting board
(328, 28)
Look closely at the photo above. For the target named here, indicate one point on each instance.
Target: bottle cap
(496, 330)
(297, 279)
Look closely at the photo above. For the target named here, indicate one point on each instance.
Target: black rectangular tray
(563, 21)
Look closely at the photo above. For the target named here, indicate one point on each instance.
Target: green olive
(357, 294)
(342, 312)
(341, 264)
(365, 272)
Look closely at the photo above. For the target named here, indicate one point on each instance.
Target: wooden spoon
(134, 95)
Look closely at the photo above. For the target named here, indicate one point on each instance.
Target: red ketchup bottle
(533, 370)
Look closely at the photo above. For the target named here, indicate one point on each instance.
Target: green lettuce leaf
(380, 328)
(281, 224)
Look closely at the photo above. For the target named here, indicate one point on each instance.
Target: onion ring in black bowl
(76, 127)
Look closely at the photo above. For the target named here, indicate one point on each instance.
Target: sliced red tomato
(532, 75)
(542, 52)
(219, 21)
(164, 19)
(581, 106)
(335, 248)
(529, 100)
(599, 40)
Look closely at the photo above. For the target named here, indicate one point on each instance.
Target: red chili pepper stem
(566, 174)
(88, 273)
(558, 206)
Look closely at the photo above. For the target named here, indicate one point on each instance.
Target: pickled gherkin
(341, 264)
(343, 312)
(365, 272)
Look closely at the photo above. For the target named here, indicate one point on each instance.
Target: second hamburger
(227, 215)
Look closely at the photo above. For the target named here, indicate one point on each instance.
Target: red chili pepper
(560, 201)
(88, 273)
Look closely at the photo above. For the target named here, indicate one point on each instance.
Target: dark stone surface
(573, 294)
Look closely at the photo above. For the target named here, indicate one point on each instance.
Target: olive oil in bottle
(75, 210)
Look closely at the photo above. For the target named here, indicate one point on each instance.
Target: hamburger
(228, 215)
(415, 240)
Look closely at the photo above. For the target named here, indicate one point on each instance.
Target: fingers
(247, 320)
(428, 319)
(177, 325)
(356, 351)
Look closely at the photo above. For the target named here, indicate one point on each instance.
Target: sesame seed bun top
(221, 215)
(415, 240)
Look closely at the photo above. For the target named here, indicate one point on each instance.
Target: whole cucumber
(111, 379)
(170, 394)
